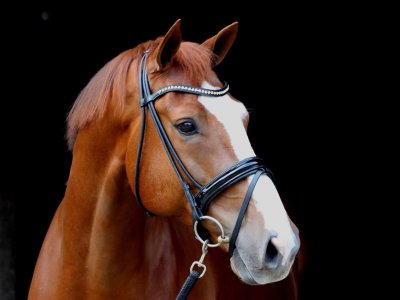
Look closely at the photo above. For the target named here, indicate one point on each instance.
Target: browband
(188, 89)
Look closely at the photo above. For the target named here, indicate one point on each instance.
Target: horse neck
(104, 226)
(98, 206)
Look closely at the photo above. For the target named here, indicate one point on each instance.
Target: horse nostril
(271, 256)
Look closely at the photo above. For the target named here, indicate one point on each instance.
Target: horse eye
(187, 127)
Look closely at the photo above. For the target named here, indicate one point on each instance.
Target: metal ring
(200, 265)
(213, 220)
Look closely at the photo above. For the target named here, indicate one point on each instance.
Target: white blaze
(266, 199)
(230, 114)
(269, 204)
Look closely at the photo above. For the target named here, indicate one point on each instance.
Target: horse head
(208, 134)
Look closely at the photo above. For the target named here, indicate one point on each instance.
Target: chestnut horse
(156, 125)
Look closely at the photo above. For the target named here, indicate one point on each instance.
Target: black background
(297, 67)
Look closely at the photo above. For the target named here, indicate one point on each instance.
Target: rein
(200, 202)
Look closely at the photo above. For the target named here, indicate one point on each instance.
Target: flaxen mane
(108, 86)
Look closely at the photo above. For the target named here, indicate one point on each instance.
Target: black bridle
(201, 201)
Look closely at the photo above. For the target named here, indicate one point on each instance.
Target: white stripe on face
(230, 114)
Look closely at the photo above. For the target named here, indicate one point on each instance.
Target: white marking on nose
(268, 202)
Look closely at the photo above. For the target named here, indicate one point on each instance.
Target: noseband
(200, 202)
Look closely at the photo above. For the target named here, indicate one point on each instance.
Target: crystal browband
(185, 89)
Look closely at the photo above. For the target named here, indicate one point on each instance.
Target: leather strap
(230, 176)
(242, 212)
(188, 285)
(188, 89)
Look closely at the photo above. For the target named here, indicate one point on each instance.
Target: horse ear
(169, 45)
(222, 42)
